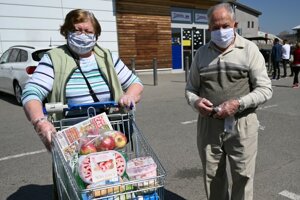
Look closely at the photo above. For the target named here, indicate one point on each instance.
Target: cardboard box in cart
(145, 177)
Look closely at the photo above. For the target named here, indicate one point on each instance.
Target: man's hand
(228, 108)
(204, 106)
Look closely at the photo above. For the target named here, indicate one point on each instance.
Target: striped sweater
(41, 82)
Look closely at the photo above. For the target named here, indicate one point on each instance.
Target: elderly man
(227, 82)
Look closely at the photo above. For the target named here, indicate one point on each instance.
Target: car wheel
(18, 93)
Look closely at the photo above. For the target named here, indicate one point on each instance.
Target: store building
(170, 31)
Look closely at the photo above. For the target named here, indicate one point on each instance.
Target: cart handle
(60, 107)
(106, 104)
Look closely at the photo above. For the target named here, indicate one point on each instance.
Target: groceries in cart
(100, 161)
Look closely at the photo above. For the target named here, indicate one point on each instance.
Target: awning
(296, 27)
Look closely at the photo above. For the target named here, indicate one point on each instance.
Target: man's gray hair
(227, 7)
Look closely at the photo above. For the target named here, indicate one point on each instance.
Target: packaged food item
(97, 167)
(104, 141)
(119, 138)
(109, 189)
(142, 168)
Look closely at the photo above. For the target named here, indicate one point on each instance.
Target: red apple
(107, 143)
(120, 140)
(87, 148)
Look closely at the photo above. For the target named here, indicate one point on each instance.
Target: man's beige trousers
(240, 149)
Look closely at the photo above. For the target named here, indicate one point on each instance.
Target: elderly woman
(78, 72)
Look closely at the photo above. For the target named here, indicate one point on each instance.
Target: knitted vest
(64, 66)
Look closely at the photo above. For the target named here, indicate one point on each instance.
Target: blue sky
(277, 15)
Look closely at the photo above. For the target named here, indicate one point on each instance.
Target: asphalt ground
(169, 126)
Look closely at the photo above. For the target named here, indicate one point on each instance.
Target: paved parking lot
(169, 125)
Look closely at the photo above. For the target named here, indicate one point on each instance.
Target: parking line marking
(22, 155)
(265, 107)
(290, 195)
(189, 122)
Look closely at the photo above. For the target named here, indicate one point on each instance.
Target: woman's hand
(128, 101)
(131, 96)
(45, 131)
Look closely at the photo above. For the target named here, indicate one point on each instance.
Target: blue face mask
(222, 37)
(81, 43)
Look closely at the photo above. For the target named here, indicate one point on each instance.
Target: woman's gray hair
(227, 6)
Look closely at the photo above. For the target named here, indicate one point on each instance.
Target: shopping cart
(68, 184)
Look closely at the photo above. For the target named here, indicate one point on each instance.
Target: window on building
(248, 24)
(252, 24)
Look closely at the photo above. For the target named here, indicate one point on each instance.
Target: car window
(37, 55)
(23, 56)
(14, 55)
(4, 57)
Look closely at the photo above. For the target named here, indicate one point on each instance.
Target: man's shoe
(296, 85)
(291, 75)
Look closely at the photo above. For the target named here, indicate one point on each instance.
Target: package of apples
(107, 140)
(92, 135)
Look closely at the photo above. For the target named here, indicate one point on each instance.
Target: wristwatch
(241, 106)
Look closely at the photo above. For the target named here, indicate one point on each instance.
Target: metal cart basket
(67, 183)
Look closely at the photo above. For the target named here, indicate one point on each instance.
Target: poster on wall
(178, 16)
(201, 18)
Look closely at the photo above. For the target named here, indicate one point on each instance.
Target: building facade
(37, 23)
(170, 31)
(248, 20)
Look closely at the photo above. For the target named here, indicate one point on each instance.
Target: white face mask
(81, 43)
(222, 37)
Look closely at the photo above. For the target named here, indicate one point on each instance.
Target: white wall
(36, 22)
(242, 18)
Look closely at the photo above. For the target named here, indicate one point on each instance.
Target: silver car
(16, 66)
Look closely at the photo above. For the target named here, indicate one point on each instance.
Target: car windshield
(37, 55)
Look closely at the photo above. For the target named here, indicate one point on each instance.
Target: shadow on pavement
(44, 192)
(29, 192)
(8, 98)
(172, 196)
(283, 86)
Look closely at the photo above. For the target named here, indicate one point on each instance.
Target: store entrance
(185, 42)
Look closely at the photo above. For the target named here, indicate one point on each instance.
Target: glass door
(176, 48)
(185, 42)
(192, 39)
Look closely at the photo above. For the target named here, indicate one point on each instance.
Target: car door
(3, 69)
(8, 71)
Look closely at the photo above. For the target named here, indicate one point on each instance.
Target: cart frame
(66, 181)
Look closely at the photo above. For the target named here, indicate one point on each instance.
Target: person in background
(276, 58)
(292, 58)
(296, 65)
(78, 72)
(228, 80)
(286, 48)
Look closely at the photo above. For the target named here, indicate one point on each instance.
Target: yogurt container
(142, 168)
